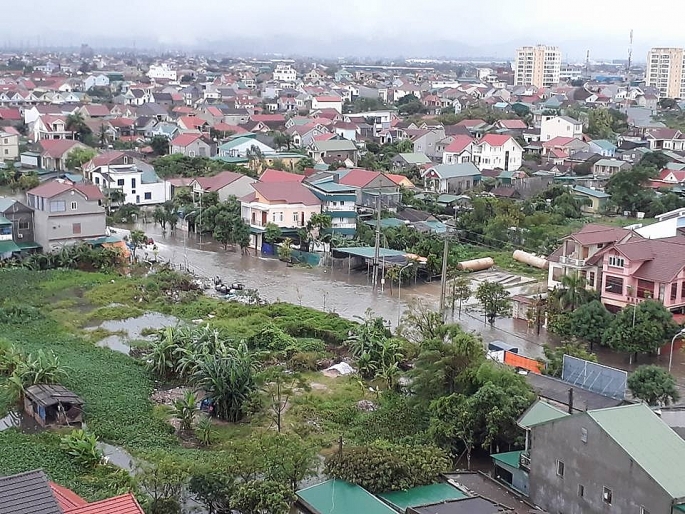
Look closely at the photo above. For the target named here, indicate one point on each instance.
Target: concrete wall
(598, 463)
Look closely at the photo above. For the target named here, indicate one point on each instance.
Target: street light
(399, 291)
(670, 356)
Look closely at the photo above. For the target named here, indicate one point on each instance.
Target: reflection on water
(133, 329)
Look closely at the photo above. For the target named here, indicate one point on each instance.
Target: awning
(8, 247)
(29, 245)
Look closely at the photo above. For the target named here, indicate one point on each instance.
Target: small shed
(53, 404)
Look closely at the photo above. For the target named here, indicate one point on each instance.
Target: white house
(9, 146)
(240, 146)
(138, 182)
(459, 150)
(327, 102)
(162, 72)
(560, 126)
(96, 81)
(285, 73)
(497, 151)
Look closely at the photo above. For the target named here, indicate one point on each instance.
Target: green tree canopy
(78, 157)
(554, 356)
(589, 321)
(654, 385)
(494, 300)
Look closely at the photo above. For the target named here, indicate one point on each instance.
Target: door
(506, 160)
(264, 219)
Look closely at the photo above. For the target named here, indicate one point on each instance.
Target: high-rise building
(537, 65)
(665, 71)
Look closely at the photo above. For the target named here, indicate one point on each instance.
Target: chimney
(570, 400)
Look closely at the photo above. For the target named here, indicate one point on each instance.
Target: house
(243, 147)
(339, 202)
(605, 168)
(53, 405)
(459, 150)
(621, 459)
(603, 147)
(193, 145)
(289, 205)
(305, 135)
(497, 151)
(555, 126)
(225, 184)
(18, 218)
(50, 127)
(94, 111)
(9, 146)
(372, 188)
(404, 161)
(665, 139)
(426, 140)
(272, 175)
(578, 253)
(66, 213)
(340, 150)
(451, 178)
(592, 200)
(31, 493)
(54, 152)
(137, 180)
(566, 147)
(92, 81)
(327, 102)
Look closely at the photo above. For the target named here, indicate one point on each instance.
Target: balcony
(524, 461)
(571, 261)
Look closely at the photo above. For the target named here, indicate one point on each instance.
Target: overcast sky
(409, 28)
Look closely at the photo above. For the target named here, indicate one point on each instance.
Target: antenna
(587, 63)
(630, 50)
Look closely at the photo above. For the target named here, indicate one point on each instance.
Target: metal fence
(594, 377)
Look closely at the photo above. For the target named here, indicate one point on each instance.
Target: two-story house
(290, 205)
(136, 180)
(54, 152)
(459, 150)
(9, 146)
(339, 202)
(372, 188)
(451, 178)
(334, 150)
(497, 151)
(605, 168)
(560, 126)
(578, 254)
(65, 213)
(622, 459)
(20, 217)
(242, 147)
(192, 145)
(225, 184)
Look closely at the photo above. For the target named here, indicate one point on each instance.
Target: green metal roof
(232, 160)
(540, 412)
(340, 497)
(415, 158)
(590, 192)
(679, 508)
(29, 245)
(386, 222)
(4, 221)
(510, 459)
(423, 495)
(650, 442)
(346, 231)
(368, 251)
(341, 214)
(8, 246)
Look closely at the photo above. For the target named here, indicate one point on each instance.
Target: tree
(573, 290)
(554, 357)
(185, 409)
(589, 321)
(114, 196)
(78, 157)
(137, 239)
(75, 123)
(316, 224)
(304, 163)
(494, 299)
(640, 329)
(272, 233)
(281, 140)
(599, 124)
(279, 385)
(164, 481)
(654, 385)
(214, 489)
(160, 145)
(288, 459)
(421, 323)
(460, 291)
(668, 103)
(628, 192)
(262, 496)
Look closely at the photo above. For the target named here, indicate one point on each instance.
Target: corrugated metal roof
(27, 493)
(540, 412)
(340, 497)
(423, 495)
(124, 504)
(511, 459)
(650, 442)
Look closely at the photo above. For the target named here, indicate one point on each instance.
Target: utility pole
(376, 251)
(443, 284)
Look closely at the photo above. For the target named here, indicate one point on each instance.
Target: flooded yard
(128, 330)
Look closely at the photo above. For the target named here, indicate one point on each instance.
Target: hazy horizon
(359, 28)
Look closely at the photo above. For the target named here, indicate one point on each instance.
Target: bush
(82, 447)
(304, 361)
(273, 339)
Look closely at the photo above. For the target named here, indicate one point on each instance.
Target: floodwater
(17, 419)
(133, 330)
(118, 457)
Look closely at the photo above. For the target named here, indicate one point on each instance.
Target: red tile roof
(494, 139)
(558, 141)
(594, 233)
(56, 148)
(264, 118)
(65, 498)
(225, 127)
(191, 122)
(283, 192)
(324, 137)
(185, 139)
(124, 504)
(97, 110)
(271, 176)
(218, 181)
(10, 114)
(328, 99)
(358, 177)
(459, 144)
(678, 175)
(513, 124)
(55, 187)
(105, 158)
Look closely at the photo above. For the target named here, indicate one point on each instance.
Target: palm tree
(573, 291)
(76, 124)
(282, 139)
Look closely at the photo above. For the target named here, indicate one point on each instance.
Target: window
(120, 182)
(613, 285)
(335, 204)
(58, 206)
(133, 183)
(74, 206)
(591, 279)
(560, 468)
(296, 217)
(273, 217)
(24, 225)
(97, 180)
(76, 228)
(607, 495)
(616, 262)
(581, 490)
(583, 435)
(148, 196)
(674, 291)
(7, 152)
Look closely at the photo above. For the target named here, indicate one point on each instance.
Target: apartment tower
(665, 71)
(537, 65)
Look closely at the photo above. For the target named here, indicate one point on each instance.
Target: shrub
(82, 447)
(273, 339)
(304, 361)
